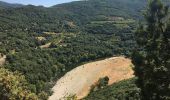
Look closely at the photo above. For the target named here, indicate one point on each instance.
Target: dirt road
(79, 80)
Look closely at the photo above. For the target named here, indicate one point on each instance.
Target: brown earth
(40, 38)
(2, 59)
(46, 45)
(79, 81)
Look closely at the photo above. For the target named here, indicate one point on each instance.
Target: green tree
(13, 86)
(152, 59)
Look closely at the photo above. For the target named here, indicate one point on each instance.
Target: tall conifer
(152, 59)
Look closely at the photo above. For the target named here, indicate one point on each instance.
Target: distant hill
(64, 16)
(8, 5)
(104, 7)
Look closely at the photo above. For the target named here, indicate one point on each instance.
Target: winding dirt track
(79, 80)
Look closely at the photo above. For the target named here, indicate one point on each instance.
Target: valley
(87, 49)
(44, 44)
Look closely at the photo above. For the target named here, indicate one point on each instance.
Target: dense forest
(43, 43)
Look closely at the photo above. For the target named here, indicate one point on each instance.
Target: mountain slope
(59, 17)
(125, 8)
(9, 5)
(79, 13)
(110, 21)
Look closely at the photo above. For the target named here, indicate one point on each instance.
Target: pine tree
(152, 59)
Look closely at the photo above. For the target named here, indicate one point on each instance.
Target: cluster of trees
(124, 90)
(104, 28)
(122, 31)
(33, 19)
(13, 86)
(16, 41)
(102, 82)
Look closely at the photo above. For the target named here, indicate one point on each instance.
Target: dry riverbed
(79, 80)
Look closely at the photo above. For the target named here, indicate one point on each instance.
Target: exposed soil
(79, 80)
(2, 60)
(46, 45)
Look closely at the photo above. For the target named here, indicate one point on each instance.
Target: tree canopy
(152, 58)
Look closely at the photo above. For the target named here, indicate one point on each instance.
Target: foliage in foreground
(152, 64)
(124, 90)
(13, 86)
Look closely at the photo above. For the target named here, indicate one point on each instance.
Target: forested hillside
(67, 16)
(44, 43)
(8, 5)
